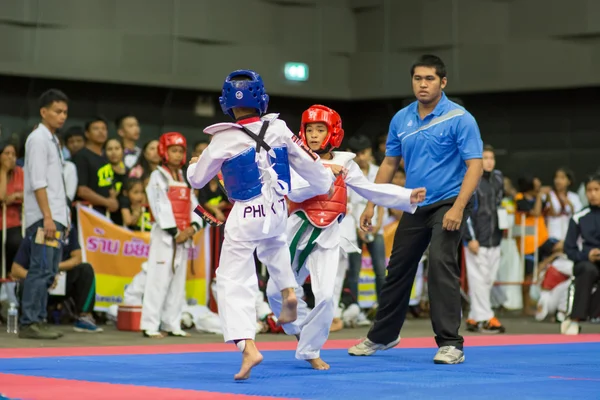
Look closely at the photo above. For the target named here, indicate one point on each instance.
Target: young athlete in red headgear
(313, 229)
(255, 155)
(175, 223)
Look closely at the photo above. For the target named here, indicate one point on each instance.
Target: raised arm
(206, 168)
(382, 194)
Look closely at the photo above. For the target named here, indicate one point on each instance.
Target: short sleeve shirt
(435, 148)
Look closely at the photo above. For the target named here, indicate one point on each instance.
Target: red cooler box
(129, 318)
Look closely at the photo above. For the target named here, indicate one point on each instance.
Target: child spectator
(132, 203)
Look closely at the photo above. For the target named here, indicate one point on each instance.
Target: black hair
(200, 141)
(119, 120)
(117, 139)
(52, 96)
(3, 145)
(525, 183)
(488, 147)
(431, 61)
(95, 119)
(592, 178)
(568, 172)
(359, 143)
(143, 163)
(72, 132)
(131, 182)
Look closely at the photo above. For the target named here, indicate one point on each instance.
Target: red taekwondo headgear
(171, 139)
(327, 116)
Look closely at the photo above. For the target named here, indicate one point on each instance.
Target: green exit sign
(296, 71)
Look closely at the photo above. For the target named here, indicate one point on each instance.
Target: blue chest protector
(241, 175)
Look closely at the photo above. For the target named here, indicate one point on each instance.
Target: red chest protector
(553, 278)
(322, 211)
(179, 195)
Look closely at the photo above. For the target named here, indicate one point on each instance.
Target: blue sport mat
(563, 371)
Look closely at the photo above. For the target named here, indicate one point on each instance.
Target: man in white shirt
(46, 213)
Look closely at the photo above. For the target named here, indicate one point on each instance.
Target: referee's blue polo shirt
(435, 148)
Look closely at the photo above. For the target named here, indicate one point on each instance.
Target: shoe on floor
(568, 327)
(179, 333)
(472, 325)
(449, 355)
(86, 325)
(492, 326)
(367, 347)
(34, 331)
(46, 328)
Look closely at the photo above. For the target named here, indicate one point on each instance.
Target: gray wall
(356, 49)
(179, 43)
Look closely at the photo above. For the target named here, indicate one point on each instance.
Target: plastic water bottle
(12, 325)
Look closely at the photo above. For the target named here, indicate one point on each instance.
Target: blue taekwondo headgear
(247, 93)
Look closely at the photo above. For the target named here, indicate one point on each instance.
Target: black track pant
(413, 235)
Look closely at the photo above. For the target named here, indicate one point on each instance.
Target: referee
(442, 151)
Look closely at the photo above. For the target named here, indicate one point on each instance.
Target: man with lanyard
(442, 151)
(47, 214)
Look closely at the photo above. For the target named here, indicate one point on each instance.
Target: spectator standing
(146, 163)
(91, 186)
(46, 214)
(113, 174)
(562, 204)
(482, 256)
(11, 196)
(74, 140)
(362, 147)
(128, 128)
(132, 206)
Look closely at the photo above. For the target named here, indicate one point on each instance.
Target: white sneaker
(362, 320)
(350, 315)
(367, 347)
(568, 327)
(449, 355)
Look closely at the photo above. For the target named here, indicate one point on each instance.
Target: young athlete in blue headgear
(254, 155)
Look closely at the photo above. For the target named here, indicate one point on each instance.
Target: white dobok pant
(554, 300)
(164, 292)
(344, 264)
(237, 281)
(482, 269)
(313, 326)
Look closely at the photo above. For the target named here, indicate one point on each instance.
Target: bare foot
(154, 335)
(336, 325)
(318, 364)
(528, 312)
(289, 307)
(251, 357)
